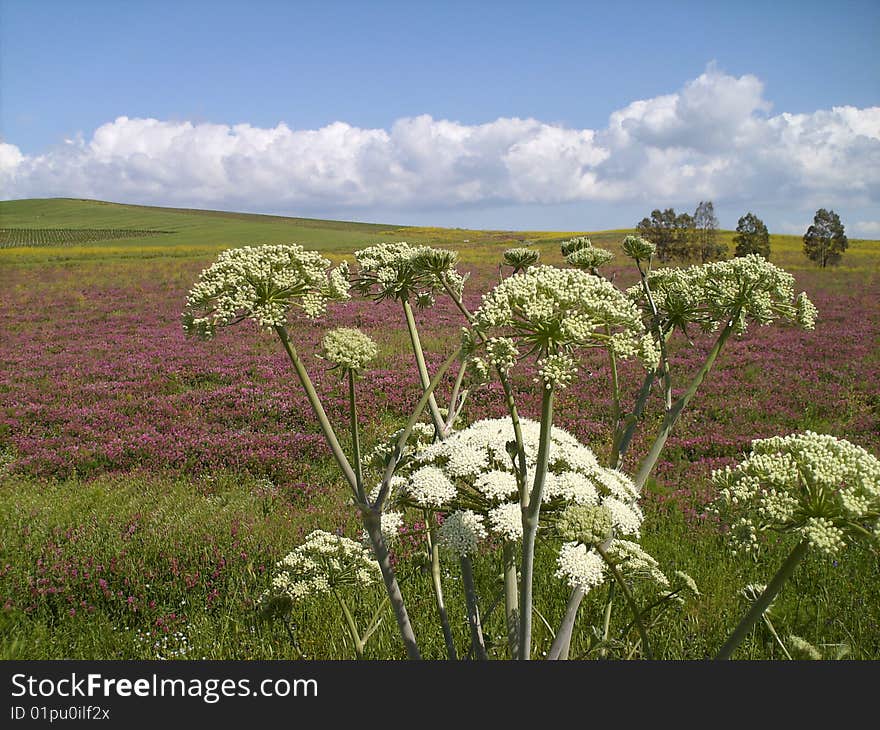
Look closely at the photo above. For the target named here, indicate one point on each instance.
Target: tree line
(686, 237)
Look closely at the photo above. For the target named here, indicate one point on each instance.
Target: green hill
(65, 228)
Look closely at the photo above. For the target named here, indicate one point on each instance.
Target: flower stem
(764, 600)
(320, 414)
(673, 413)
(434, 551)
(530, 526)
(511, 597)
(470, 594)
(351, 626)
(631, 602)
(355, 439)
(416, 343)
(562, 642)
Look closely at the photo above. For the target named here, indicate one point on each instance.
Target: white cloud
(866, 229)
(714, 139)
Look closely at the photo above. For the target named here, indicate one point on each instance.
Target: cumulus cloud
(715, 138)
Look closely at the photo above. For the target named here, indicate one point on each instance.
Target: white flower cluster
(580, 566)
(638, 248)
(262, 283)
(556, 370)
(324, 562)
(749, 288)
(349, 348)
(825, 488)
(556, 310)
(589, 258)
(473, 470)
(399, 271)
(521, 258)
(462, 532)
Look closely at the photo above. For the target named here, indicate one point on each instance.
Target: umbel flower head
(825, 489)
(349, 348)
(744, 289)
(551, 310)
(521, 258)
(401, 272)
(262, 283)
(589, 258)
(638, 248)
(323, 563)
(473, 470)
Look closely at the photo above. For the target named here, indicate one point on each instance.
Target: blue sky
(433, 100)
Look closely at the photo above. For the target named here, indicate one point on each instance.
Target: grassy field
(148, 483)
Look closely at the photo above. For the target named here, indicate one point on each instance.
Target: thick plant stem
(623, 436)
(674, 412)
(416, 343)
(511, 597)
(352, 627)
(530, 527)
(372, 524)
(320, 414)
(371, 520)
(434, 551)
(355, 439)
(470, 594)
(764, 600)
(562, 642)
(630, 600)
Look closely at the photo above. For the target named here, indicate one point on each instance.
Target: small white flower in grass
(686, 581)
(505, 521)
(462, 532)
(580, 567)
(632, 560)
(324, 562)
(429, 487)
(803, 649)
(349, 348)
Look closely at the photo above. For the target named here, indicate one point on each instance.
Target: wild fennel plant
(496, 483)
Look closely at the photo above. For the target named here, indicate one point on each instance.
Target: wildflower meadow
(545, 449)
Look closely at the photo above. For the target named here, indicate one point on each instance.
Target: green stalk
(407, 429)
(673, 413)
(562, 643)
(470, 594)
(764, 600)
(320, 414)
(370, 518)
(351, 626)
(631, 602)
(434, 551)
(623, 437)
(606, 622)
(530, 526)
(423, 369)
(511, 597)
(372, 524)
(355, 439)
(454, 406)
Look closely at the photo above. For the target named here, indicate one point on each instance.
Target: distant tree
(752, 236)
(706, 245)
(825, 241)
(670, 233)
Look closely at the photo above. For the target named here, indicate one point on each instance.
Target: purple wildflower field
(98, 377)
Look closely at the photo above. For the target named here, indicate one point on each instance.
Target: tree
(752, 236)
(706, 244)
(825, 241)
(669, 232)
